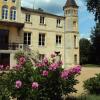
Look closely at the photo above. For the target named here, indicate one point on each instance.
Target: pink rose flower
(45, 73)
(18, 66)
(60, 63)
(1, 67)
(18, 84)
(65, 74)
(45, 61)
(53, 66)
(40, 64)
(22, 60)
(35, 85)
(77, 69)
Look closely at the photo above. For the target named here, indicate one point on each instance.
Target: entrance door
(4, 36)
(4, 59)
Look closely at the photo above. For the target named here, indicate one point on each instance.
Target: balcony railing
(12, 46)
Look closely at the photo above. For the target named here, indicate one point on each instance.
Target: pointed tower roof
(71, 3)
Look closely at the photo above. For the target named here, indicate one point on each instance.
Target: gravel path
(85, 74)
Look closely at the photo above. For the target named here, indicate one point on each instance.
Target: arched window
(75, 59)
(13, 13)
(5, 12)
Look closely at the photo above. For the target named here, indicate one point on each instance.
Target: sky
(86, 19)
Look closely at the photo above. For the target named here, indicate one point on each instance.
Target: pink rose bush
(46, 79)
(35, 85)
(18, 84)
(4, 67)
(22, 60)
(45, 73)
(67, 73)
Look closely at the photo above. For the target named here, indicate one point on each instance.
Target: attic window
(42, 20)
(28, 18)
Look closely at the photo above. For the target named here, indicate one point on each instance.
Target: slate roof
(71, 3)
(40, 11)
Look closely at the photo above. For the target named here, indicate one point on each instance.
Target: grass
(91, 65)
(85, 97)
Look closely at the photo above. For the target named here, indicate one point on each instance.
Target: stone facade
(41, 31)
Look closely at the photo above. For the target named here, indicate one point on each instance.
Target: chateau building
(38, 30)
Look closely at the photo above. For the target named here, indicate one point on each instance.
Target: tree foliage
(94, 6)
(95, 48)
(84, 50)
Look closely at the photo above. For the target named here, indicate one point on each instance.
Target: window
(5, 12)
(27, 38)
(14, 1)
(5, 0)
(58, 39)
(75, 59)
(74, 24)
(75, 41)
(41, 56)
(41, 39)
(28, 17)
(42, 20)
(58, 22)
(13, 13)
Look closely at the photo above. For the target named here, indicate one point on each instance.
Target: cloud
(86, 20)
(52, 6)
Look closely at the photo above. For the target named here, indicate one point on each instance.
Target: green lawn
(91, 65)
(85, 97)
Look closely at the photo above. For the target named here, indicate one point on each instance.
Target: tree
(84, 50)
(95, 47)
(94, 6)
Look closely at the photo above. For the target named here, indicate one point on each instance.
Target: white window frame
(42, 20)
(27, 38)
(41, 40)
(58, 22)
(27, 18)
(58, 40)
(5, 12)
(13, 13)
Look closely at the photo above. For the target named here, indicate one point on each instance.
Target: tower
(71, 41)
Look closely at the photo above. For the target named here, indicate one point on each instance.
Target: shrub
(46, 80)
(93, 84)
